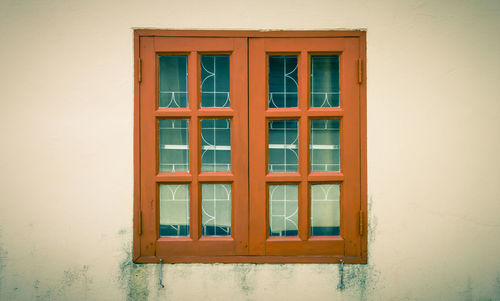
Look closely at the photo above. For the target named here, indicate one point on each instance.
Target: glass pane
(283, 210)
(325, 90)
(215, 145)
(283, 146)
(325, 210)
(174, 145)
(283, 77)
(174, 210)
(173, 81)
(325, 145)
(216, 209)
(215, 81)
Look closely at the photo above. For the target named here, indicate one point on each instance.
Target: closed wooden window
(250, 146)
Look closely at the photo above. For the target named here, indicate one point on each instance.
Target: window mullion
(303, 146)
(193, 145)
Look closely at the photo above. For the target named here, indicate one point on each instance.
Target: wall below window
(66, 162)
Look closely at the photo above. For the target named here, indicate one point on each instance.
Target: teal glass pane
(325, 145)
(283, 81)
(325, 210)
(174, 145)
(215, 145)
(325, 84)
(174, 210)
(173, 81)
(283, 210)
(215, 81)
(283, 146)
(216, 209)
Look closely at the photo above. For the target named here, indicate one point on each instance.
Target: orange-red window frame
(249, 241)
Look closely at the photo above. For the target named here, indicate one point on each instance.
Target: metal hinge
(361, 222)
(139, 70)
(360, 71)
(140, 223)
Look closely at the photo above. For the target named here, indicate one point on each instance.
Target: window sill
(253, 259)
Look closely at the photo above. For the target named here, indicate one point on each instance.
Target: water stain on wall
(74, 282)
(472, 293)
(468, 293)
(497, 288)
(359, 277)
(133, 277)
(244, 281)
(3, 263)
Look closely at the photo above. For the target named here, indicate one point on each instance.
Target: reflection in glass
(215, 81)
(215, 145)
(283, 77)
(173, 81)
(325, 145)
(283, 146)
(283, 210)
(174, 210)
(325, 210)
(216, 209)
(174, 145)
(325, 81)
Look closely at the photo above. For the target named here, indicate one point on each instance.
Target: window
(250, 146)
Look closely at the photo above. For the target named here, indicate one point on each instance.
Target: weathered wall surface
(66, 175)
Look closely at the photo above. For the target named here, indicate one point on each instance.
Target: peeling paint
(133, 277)
(160, 275)
(341, 284)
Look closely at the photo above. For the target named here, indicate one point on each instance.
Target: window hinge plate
(360, 71)
(139, 70)
(361, 222)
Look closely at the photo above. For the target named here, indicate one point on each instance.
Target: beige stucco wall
(66, 174)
